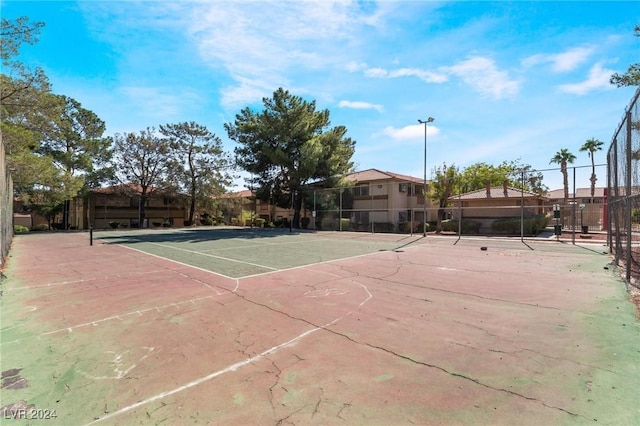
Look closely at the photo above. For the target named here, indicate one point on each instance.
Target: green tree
(288, 145)
(446, 180)
(564, 157)
(198, 165)
(632, 76)
(591, 146)
(77, 147)
(477, 175)
(141, 162)
(13, 34)
(28, 111)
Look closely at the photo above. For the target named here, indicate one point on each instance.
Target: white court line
(247, 246)
(179, 263)
(85, 280)
(319, 263)
(214, 256)
(232, 367)
(138, 312)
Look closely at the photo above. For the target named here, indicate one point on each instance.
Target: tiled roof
(495, 193)
(375, 174)
(246, 193)
(582, 193)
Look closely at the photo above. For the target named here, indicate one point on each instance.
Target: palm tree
(564, 157)
(591, 146)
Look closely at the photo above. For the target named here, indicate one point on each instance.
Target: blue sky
(503, 80)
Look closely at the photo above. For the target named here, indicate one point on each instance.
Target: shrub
(404, 227)
(468, 226)
(19, 229)
(329, 224)
(531, 226)
(260, 222)
(39, 228)
(407, 227)
(383, 227)
(114, 224)
(57, 225)
(346, 222)
(304, 222)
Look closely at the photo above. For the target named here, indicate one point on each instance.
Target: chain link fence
(623, 191)
(6, 207)
(399, 207)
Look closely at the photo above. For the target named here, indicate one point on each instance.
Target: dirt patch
(11, 379)
(16, 410)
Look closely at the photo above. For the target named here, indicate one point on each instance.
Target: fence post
(573, 209)
(522, 208)
(628, 197)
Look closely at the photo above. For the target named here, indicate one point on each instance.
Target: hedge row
(512, 225)
(468, 226)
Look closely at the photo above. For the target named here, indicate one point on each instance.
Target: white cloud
(479, 73)
(598, 79)
(268, 42)
(353, 66)
(413, 132)
(424, 75)
(562, 62)
(359, 105)
(485, 78)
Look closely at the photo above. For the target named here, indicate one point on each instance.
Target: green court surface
(237, 253)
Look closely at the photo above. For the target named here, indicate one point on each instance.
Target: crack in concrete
(316, 409)
(284, 419)
(275, 383)
(437, 367)
(461, 293)
(465, 377)
(442, 369)
(339, 413)
(519, 351)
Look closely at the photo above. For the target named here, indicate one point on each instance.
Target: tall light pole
(424, 181)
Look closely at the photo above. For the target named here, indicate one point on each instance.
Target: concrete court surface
(433, 333)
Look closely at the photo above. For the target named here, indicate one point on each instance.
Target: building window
(403, 187)
(361, 191)
(402, 216)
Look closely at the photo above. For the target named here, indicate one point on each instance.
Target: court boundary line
(178, 262)
(138, 312)
(199, 253)
(327, 261)
(61, 283)
(235, 366)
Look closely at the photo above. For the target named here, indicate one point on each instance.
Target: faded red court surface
(433, 333)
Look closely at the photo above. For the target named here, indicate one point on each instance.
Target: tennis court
(231, 326)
